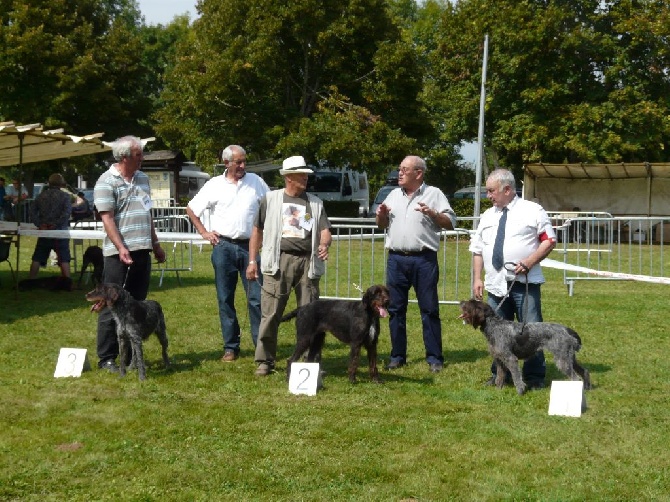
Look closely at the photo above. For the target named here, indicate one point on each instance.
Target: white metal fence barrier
(627, 245)
(357, 258)
(596, 241)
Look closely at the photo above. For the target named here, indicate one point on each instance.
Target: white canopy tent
(24, 144)
(620, 189)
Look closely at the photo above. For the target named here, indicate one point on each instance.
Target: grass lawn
(207, 430)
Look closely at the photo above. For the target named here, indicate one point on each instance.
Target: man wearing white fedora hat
(293, 229)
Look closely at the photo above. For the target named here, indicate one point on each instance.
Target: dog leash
(125, 279)
(509, 290)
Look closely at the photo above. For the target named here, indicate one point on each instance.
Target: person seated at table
(12, 195)
(51, 211)
(81, 209)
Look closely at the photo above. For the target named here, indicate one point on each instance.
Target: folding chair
(5, 247)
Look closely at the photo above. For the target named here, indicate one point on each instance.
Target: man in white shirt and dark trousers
(414, 215)
(512, 238)
(233, 199)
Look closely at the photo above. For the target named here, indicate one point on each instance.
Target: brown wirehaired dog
(135, 322)
(350, 321)
(510, 341)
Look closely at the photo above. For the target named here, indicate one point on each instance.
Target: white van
(342, 184)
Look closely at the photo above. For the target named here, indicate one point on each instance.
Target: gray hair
(229, 151)
(123, 147)
(504, 178)
(418, 162)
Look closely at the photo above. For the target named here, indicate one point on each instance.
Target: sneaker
(110, 366)
(435, 367)
(264, 369)
(395, 364)
(229, 356)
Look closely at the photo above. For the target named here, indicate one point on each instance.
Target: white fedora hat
(295, 164)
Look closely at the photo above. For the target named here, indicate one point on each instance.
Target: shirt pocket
(489, 235)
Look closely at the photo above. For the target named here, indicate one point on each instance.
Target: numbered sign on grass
(71, 362)
(304, 378)
(567, 398)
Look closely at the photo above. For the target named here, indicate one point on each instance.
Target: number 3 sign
(71, 362)
(304, 378)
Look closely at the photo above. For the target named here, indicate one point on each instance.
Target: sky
(163, 11)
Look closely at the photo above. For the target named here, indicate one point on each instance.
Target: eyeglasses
(405, 170)
(238, 162)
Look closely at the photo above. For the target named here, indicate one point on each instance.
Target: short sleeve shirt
(233, 205)
(526, 222)
(297, 223)
(131, 204)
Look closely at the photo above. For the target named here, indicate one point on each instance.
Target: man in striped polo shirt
(123, 198)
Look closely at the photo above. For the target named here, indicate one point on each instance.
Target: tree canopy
(259, 74)
(352, 82)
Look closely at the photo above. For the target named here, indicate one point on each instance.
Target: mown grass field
(206, 430)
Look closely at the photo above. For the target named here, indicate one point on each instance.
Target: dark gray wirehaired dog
(350, 321)
(93, 256)
(510, 341)
(135, 322)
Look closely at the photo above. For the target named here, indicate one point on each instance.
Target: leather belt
(233, 241)
(409, 253)
(297, 253)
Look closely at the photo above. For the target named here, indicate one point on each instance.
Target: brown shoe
(229, 356)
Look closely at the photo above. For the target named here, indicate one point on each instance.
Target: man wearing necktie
(512, 238)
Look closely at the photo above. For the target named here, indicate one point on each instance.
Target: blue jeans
(230, 260)
(420, 272)
(534, 368)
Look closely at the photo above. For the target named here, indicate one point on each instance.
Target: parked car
(469, 193)
(380, 197)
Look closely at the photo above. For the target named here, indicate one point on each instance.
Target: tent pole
(18, 215)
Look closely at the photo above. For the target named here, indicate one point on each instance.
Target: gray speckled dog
(135, 322)
(510, 341)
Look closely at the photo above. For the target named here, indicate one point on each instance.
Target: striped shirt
(131, 204)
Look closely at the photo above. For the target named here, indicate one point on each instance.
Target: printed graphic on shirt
(295, 222)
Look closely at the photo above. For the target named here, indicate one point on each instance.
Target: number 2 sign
(304, 378)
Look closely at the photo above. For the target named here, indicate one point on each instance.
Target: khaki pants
(276, 288)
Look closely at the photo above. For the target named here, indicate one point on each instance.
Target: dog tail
(289, 316)
(574, 334)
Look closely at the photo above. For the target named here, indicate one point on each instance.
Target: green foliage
(72, 64)
(568, 81)
(347, 135)
(341, 88)
(466, 208)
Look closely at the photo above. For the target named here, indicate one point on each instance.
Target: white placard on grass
(71, 362)
(567, 398)
(304, 378)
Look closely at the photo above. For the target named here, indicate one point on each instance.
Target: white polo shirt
(526, 222)
(233, 206)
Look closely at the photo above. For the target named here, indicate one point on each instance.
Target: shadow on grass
(465, 356)
(189, 361)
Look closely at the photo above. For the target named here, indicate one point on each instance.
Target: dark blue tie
(498, 258)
